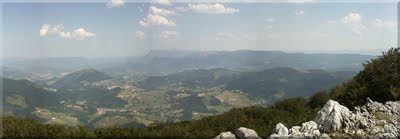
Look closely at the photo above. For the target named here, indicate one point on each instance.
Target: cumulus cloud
(298, 12)
(44, 30)
(161, 2)
(81, 34)
(354, 20)
(77, 34)
(270, 20)
(156, 20)
(140, 35)
(212, 9)
(158, 11)
(168, 35)
(157, 17)
(115, 3)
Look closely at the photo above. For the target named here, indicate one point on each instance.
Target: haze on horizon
(120, 28)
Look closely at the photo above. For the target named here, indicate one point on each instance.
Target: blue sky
(127, 28)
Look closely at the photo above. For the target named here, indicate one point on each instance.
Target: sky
(115, 28)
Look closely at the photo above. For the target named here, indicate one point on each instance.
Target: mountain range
(93, 98)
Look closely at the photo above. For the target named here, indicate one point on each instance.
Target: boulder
(307, 130)
(310, 128)
(281, 129)
(225, 135)
(330, 118)
(245, 133)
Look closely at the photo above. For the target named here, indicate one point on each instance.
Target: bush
(379, 81)
(319, 99)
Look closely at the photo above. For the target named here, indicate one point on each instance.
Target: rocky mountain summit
(373, 120)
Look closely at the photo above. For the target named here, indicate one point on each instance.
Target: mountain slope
(287, 82)
(273, 83)
(75, 78)
(22, 96)
(191, 78)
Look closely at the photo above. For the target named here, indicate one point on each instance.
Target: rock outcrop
(281, 129)
(330, 117)
(225, 135)
(307, 130)
(245, 133)
(373, 120)
(241, 133)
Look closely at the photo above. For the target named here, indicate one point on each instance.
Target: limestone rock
(307, 130)
(372, 120)
(245, 133)
(225, 135)
(281, 129)
(330, 118)
(310, 128)
(295, 130)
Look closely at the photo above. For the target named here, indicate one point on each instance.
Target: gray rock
(307, 130)
(225, 135)
(281, 129)
(372, 120)
(245, 133)
(330, 118)
(276, 136)
(310, 128)
(295, 130)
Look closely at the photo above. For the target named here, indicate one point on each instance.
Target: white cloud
(182, 9)
(158, 11)
(44, 30)
(270, 20)
(81, 34)
(299, 1)
(115, 3)
(161, 2)
(354, 20)
(77, 34)
(168, 35)
(156, 20)
(212, 9)
(140, 35)
(298, 12)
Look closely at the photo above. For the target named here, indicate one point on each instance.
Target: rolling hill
(77, 77)
(20, 97)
